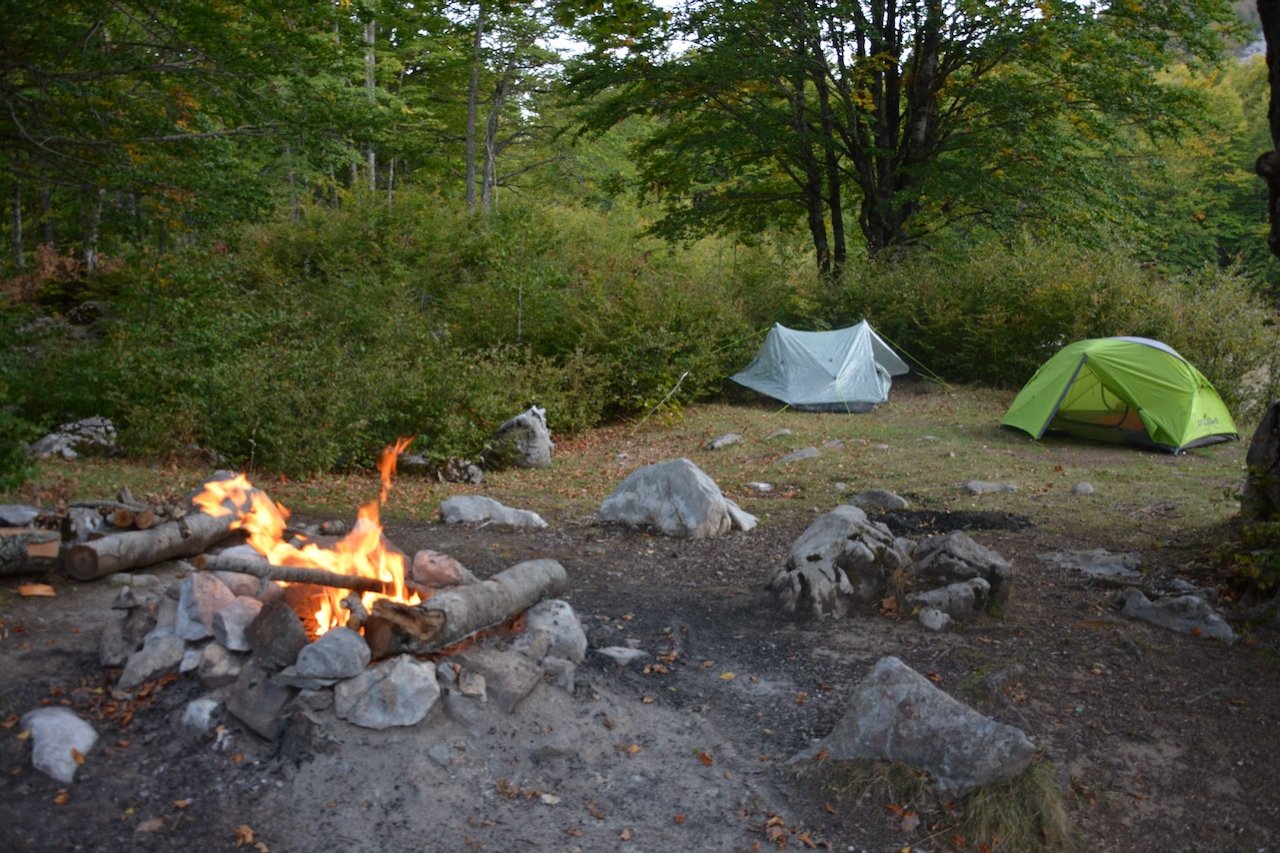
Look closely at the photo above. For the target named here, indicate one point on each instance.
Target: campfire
(362, 553)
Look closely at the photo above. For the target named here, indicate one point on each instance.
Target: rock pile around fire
(243, 639)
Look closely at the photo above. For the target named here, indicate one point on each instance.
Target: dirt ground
(1169, 741)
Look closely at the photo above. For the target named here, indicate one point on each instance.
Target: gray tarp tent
(844, 370)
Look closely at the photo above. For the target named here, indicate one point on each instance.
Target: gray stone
(18, 515)
(622, 655)
(521, 442)
(678, 499)
(1098, 563)
(1082, 489)
(842, 558)
(896, 714)
(156, 657)
(1187, 614)
(124, 633)
(763, 488)
(258, 700)
(477, 509)
(722, 442)
(199, 714)
(878, 499)
(554, 618)
(950, 557)
(833, 443)
(508, 677)
(434, 570)
(934, 619)
(165, 619)
(959, 600)
(201, 595)
(983, 487)
(397, 692)
(277, 635)
(338, 653)
(90, 436)
(559, 672)
(778, 433)
(217, 667)
(800, 455)
(230, 623)
(57, 734)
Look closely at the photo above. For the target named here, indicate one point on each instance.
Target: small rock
(57, 735)
(1082, 489)
(722, 442)
(984, 487)
(800, 455)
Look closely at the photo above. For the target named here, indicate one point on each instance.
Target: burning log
(120, 552)
(292, 574)
(452, 615)
(28, 550)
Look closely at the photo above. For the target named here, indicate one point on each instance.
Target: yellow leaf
(24, 734)
(34, 590)
(728, 676)
(646, 699)
(62, 798)
(633, 748)
(244, 835)
(77, 756)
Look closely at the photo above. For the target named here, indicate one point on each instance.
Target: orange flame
(362, 552)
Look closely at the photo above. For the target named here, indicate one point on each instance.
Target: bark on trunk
(473, 107)
(15, 226)
(448, 617)
(1268, 164)
(27, 551)
(121, 552)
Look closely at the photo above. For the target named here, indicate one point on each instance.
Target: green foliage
(15, 466)
(994, 312)
(1253, 562)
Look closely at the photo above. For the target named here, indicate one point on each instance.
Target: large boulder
(95, 436)
(521, 442)
(678, 499)
(841, 559)
(896, 714)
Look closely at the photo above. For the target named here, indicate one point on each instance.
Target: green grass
(923, 445)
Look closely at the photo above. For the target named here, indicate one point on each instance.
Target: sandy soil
(1169, 740)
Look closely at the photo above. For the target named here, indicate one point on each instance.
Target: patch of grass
(1027, 812)
(893, 782)
(923, 444)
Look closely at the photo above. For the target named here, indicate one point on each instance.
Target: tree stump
(1261, 498)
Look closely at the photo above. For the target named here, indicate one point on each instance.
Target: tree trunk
(93, 228)
(120, 552)
(1261, 499)
(1268, 164)
(473, 107)
(455, 614)
(370, 83)
(15, 231)
(26, 551)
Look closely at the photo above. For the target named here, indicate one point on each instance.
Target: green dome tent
(1128, 390)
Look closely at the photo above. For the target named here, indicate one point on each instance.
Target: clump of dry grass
(1025, 813)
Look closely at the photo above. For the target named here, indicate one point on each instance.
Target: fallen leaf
(646, 699)
(77, 756)
(244, 835)
(707, 664)
(934, 677)
(821, 756)
(237, 758)
(550, 799)
(679, 818)
(25, 734)
(10, 721)
(1196, 632)
(154, 824)
(182, 804)
(705, 758)
(572, 832)
(36, 590)
(910, 821)
(594, 810)
(727, 676)
(808, 842)
(802, 697)
(62, 798)
(262, 848)
(895, 808)
(828, 808)
(625, 835)
(633, 748)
